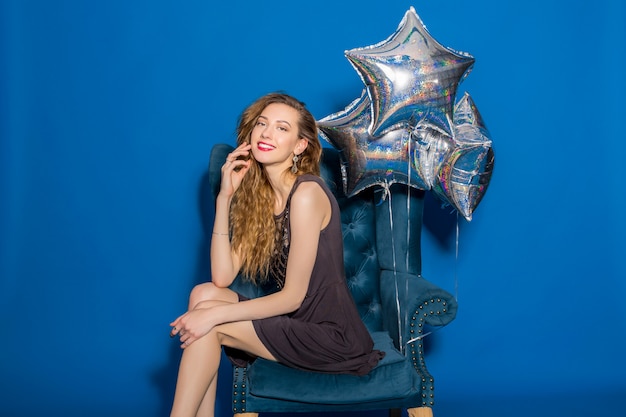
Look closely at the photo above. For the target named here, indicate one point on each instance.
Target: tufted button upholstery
(361, 260)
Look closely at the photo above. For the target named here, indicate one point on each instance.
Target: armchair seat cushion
(392, 378)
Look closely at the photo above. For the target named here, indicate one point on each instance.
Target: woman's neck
(281, 183)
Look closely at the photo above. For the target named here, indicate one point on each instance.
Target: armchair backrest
(381, 232)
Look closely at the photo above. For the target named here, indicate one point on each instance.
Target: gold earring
(294, 167)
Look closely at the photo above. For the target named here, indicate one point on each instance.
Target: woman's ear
(301, 146)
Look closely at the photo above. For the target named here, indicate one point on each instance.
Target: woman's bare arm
(225, 263)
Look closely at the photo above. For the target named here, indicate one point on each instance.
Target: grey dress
(326, 333)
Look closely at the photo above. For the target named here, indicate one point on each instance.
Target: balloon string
(415, 339)
(387, 193)
(408, 198)
(456, 260)
(408, 233)
(406, 279)
(456, 281)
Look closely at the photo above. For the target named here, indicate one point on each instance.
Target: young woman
(275, 219)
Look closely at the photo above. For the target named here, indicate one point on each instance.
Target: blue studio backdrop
(108, 112)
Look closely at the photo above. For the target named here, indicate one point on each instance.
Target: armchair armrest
(436, 306)
(421, 303)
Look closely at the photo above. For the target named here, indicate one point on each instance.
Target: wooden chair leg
(420, 412)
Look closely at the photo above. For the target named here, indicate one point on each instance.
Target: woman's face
(275, 137)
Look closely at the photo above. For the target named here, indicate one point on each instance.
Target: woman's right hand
(235, 169)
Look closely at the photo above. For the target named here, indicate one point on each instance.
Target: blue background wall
(108, 111)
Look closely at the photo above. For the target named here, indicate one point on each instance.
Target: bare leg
(198, 369)
(207, 405)
(200, 362)
(209, 292)
(197, 377)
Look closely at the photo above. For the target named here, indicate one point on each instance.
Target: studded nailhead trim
(427, 308)
(239, 390)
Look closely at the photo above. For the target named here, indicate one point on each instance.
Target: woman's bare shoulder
(309, 192)
(310, 201)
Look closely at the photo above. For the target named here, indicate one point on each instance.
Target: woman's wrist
(223, 198)
(220, 228)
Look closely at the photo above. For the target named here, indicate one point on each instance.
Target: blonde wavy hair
(253, 228)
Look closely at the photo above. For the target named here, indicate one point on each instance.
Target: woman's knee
(210, 292)
(202, 292)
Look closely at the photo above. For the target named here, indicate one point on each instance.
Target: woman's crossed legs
(197, 374)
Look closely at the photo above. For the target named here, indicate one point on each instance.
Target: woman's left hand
(192, 325)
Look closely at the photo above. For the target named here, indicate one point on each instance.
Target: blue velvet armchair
(383, 265)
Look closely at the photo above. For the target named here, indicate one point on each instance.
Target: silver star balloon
(410, 76)
(433, 146)
(465, 175)
(405, 128)
(370, 160)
